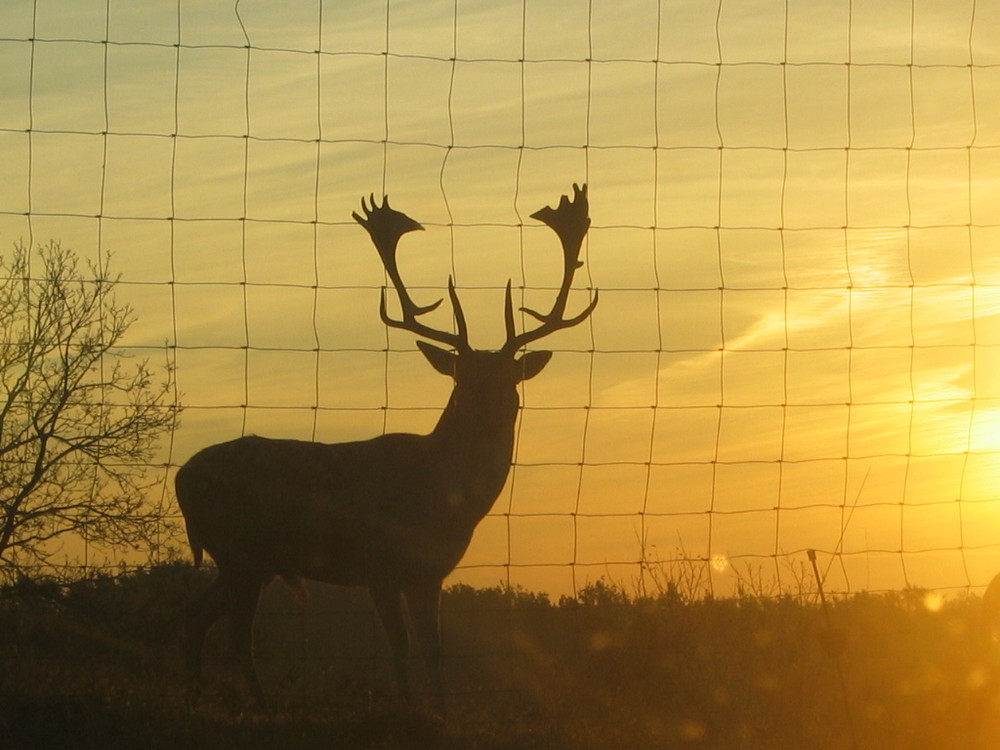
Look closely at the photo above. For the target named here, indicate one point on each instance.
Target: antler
(386, 225)
(570, 221)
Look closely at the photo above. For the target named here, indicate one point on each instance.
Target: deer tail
(197, 550)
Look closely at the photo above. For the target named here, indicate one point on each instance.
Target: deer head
(569, 220)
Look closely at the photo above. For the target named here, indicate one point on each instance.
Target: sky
(795, 227)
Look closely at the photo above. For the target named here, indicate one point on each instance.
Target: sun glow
(984, 434)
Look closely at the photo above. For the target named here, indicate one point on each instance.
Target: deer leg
(389, 604)
(424, 603)
(201, 614)
(245, 597)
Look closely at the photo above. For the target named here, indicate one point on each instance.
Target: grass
(95, 664)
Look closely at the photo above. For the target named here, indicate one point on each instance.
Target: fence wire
(794, 228)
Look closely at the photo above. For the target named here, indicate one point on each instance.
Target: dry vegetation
(95, 664)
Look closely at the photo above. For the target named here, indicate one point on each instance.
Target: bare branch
(78, 422)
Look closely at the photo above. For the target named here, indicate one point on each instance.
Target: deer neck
(477, 442)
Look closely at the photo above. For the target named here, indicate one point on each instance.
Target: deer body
(393, 507)
(309, 510)
(395, 513)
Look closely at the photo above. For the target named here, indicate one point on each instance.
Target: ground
(96, 664)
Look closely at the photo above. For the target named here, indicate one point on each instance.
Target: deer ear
(441, 360)
(533, 363)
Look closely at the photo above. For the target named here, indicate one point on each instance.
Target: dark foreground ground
(95, 665)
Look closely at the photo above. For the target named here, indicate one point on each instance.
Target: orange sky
(794, 232)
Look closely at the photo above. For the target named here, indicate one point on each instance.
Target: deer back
(344, 513)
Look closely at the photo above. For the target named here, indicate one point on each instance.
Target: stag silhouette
(394, 514)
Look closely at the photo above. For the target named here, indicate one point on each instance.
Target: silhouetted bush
(96, 662)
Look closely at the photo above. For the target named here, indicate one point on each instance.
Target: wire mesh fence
(794, 228)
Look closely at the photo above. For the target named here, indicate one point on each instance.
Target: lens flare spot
(600, 641)
(977, 678)
(933, 601)
(693, 731)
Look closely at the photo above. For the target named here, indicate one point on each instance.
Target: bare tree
(79, 420)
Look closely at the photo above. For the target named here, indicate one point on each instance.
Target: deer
(393, 514)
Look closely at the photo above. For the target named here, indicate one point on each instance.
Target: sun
(984, 435)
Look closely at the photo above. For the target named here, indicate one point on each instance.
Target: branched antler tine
(535, 314)
(456, 306)
(570, 221)
(582, 316)
(405, 301)
(416, 310)
(563, 323)
(508, 314)
(385, 226)
(411, 324)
